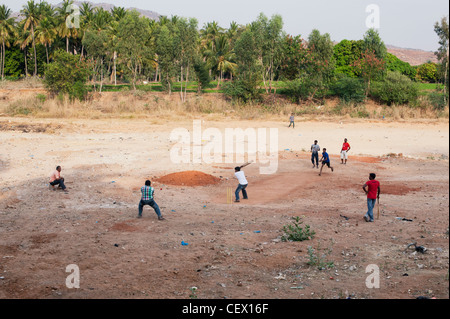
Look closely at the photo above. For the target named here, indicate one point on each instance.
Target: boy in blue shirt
(325, 161)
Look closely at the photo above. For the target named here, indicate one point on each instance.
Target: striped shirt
(147, 192)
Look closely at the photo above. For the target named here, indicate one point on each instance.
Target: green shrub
(41, 97)
(305, 89)
(395, 89)
(349, 89)
(437, 100)
(317, 260)
(243, 90)
(67, 75)
(295, 231)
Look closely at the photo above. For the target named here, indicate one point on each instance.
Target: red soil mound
(188, 178)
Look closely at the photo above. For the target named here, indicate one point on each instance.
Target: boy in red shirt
(372, 189)
(344, 151)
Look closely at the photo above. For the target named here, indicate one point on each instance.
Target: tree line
(121, 45)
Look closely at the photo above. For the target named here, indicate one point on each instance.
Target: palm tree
(46, 33)
(64, 30)
(23, 40)
(31, 15)
(209, 33)
(7, 31)
(101, 19)
(87, 17)
(220, 57)
(118, 13)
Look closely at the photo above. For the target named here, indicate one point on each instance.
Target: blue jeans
(150, 203)
(244, 192)
(315, 156)
(59, 182)
(370, 205)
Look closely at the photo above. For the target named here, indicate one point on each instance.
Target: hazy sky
(403, 23)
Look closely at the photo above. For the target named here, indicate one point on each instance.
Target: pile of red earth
(188, 178)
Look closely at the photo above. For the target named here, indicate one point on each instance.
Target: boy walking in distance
(344, 151)
(325, 161)
(147, 199)
(240, 175)
(373, 190)
(56, 179)
(315, 149)
(292, 120)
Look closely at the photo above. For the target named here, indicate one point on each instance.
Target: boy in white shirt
(240, 175)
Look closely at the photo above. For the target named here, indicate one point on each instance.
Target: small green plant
(317, 260)
(296, 232)
(193, 294)
(41, 97)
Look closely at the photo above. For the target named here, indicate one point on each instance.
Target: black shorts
(326, 163)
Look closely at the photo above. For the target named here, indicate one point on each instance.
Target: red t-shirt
(345, 147)
(373, 189)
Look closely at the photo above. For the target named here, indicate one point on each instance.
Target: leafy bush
(296, 232)
(202, 74)
(318, 261)
(243, 90)
(437, 100)
(349, 89)
(67, 75)
(305, 89)
(396, 88)
(395, 64)
(427, 72)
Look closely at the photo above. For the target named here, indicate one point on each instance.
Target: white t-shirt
(241, 178)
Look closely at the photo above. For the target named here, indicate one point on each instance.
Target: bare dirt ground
(234, 251)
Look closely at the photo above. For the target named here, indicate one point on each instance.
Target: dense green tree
(346, 53)
(373, 43)
(245, 86)
(395, 64)
(67, 75)
(442, 31)
(427, 72)
(294, 52)
(133, 38)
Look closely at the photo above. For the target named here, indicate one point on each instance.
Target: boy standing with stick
(240, 175)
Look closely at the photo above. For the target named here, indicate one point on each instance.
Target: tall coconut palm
(31, 15)
(64, 30)
(7, 31)
(209, 33)
(46, 33)
(101, 19)
(23, 40)
(87, 17)
(220, 57)
(118, 13)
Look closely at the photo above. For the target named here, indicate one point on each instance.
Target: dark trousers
(59, 182)
(244, 192)
(150, 203)
(315, 158)
(292, 123)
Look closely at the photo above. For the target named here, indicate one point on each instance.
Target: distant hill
(106, 6)
(412, 56)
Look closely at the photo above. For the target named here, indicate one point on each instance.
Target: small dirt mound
(188, 178)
